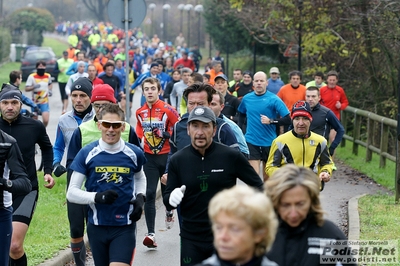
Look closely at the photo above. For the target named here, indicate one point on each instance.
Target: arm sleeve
(138, 81)
(47, 150)
(284, 121)
(121, 82)
(140, 182)
(247, 174)
(274, 161)
(28, 101)
(68, 86)
(172, 148)
(71, 70)
(75, 144)
(172, 96)
(337, 126)
(172, 183)
(241, 120)
(227, 137)
(56, 70)
(59, 146)
(343, 100)
(75, 194)
(18, 175)
(325, 160)
(133, 138)
(139, 128)
(29, 82)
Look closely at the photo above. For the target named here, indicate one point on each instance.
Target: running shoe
(150, 240)
(169, 219)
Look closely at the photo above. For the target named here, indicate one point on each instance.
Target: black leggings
(63, 94)
(154, 168)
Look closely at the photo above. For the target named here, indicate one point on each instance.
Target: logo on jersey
(111, 173)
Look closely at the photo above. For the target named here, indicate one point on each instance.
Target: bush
(5, 42)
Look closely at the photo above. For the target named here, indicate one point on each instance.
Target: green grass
(384, 176)
(382, 225)
(6, 69)
(49, 230)
(57, 45)
(379, 215)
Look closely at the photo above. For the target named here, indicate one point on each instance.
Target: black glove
(106, 197)
(137, 207)
(331, 151)
(37, 110)
(58, 169)
(5, 184)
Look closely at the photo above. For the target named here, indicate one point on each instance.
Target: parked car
(34, 54)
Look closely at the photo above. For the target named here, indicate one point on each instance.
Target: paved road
(346, 183)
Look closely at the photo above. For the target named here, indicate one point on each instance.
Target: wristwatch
(9, 183)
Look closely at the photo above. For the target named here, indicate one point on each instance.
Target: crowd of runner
(195, 133)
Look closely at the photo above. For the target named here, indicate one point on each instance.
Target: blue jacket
(74, 68)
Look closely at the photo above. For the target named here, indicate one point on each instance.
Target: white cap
(274, 70)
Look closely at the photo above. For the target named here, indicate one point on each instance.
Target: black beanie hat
(83, 84)
(10, 94)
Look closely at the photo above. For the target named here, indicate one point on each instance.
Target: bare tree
(97, 7)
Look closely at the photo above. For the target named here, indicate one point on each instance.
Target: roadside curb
(353, 218)
(65, 256)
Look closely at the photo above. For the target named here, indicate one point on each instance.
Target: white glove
(176, 196)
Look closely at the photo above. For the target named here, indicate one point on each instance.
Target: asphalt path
(345, 184)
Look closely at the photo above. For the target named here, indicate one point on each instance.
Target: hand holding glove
(176, 196)
(137, 207)
(58, 169)
(106, 197)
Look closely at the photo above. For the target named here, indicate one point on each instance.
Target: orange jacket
(290, 95)
(71, 53)
(212, 76)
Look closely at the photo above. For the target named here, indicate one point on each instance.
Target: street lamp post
(165, 7)
(181, 7)
(152, 6)
(188, 8)
(300, 7)
(199, 9)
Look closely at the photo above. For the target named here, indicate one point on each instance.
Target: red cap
(103, 92)
(131, 53)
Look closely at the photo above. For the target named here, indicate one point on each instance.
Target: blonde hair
(290, 176)
(250, 205)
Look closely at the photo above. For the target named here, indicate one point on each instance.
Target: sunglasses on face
(114, 124)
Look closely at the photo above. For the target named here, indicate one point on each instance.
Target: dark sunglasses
(114, 125)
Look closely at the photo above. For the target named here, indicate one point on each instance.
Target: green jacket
(90, 132)
(63, 66)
